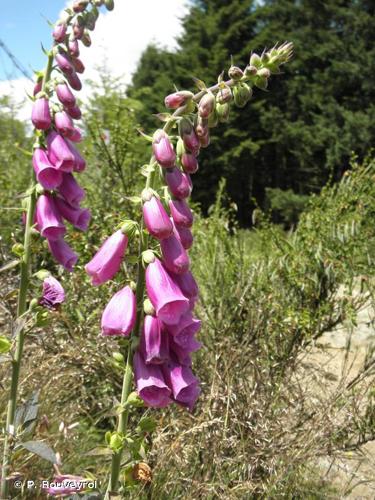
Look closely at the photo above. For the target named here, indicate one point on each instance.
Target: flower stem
(21, 309)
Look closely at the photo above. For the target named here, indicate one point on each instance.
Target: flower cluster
(56, 158)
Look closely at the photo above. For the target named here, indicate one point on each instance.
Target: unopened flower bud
(264, 72)
(109, 4)
(206, 105)
(117, 356)
(213, 120)
(261, 82)
(265, 58)
(18, 249)
(255, 60)
(129, 228)
(78, 30)
(205, 140)
(202, 127)
(73, 48)
(163, 149)
(242, 94)
(59, 32)
(224, 95)
(180, 147)
(90, 21)
(235, 73)
(178, 99)
(42, 274)
(148, 257)
(251, 70)
(148, 308)
(80, 5)
(222, 111)
(189, 163)
(134, 400)
(86, 39)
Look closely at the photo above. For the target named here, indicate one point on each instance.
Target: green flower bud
(264, 72)
(224, 95)
(42, 274)
(116, 442)
(265, 58)
(110, 4)
(146, 195)
(86, 39)
(261, 82)
(134, 400)
(148, 308)
(129, 228)
(33, 304)
(18, 249)
(250, 71)
(242, 94)
(213, 119)
(133, 285)
(235, 73)
(255, 60)
(117, 356)
(222, 111)
(148, 257)
(180, 148)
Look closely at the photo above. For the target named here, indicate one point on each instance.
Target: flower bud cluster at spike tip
(55, 108)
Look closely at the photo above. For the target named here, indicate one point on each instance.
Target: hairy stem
(21, 309)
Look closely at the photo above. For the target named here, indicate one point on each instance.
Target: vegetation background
(284, 255)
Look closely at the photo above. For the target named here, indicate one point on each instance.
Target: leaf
(99, 451)
(41, 449)
(9, 265)
(145, 136)
(163, 117)
(137, 200)
(5, 345)
(199, 84)
(27, 413)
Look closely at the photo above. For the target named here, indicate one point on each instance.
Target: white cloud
(17, 90)
(118, 41)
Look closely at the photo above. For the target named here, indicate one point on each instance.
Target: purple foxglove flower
(64, 123)
(107, 260)
(189, 163)
(184, 235)
(179, 184)
(79, 217)
(181, 213)
(183, 354)
(156, 219)
(202, 128)
(164, 294)
(206, 105)
(59, 32)
(65, 95)
(78, 65)
(63, 485)
(187, 327)
(78, 30)
(73, 48)
(177, 99)
(48, 218)
(71, 190)
(74, 81)
(175, 258)
(53, 293)
(120, 314)
(64, 63)
(163, 149)
(63, 253)
(183, 383)
(40, 115)
(187, 284)
(79, 162)
(191, 142)
(37, 87)
(76, 135)
(74, 112)
(48, 176)
(154, 341)
(151, 386)
(59, 152)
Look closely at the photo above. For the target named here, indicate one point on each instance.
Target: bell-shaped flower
(206, 105)
(107, 260)
(181, 213)
(63, 253)
(187, 284)
(73, 47)
(59, 153)
(179, 183)
(48, 218)
(65, 95)
(74, 112)
(165, 295)
(79, 217)
(184, 235)
(156, 219)
(79, 161)
(150, 383)
(120, 314)
(71, 190)
(182, 382)
(154, 344)
(64, 63)
(53, 293)
(163, 149)
(177, 99)
(74, 81)
(47, 175)
(59, 32)
(64, 123)
(175, 258)
(189, 163)
(40, 115)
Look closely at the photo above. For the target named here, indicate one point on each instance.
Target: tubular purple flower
(74, 112)
(181, 213)
(47, 175)
(177, 99)
(78, 30)
(53, 293)
(73, 48)
(163, 149)
(179, 183)
(156, 219)
(59, 32)
(187, 284)
(37, 87)
(206, 105)
(151, 386)
(191, 142)
(63, 253)
(79, 161)
(189, 163)
(64, 123)
(65, 95)
(107, 260)
(175, 258)
(64, 63)
(183, 383)
(79, 217)
(48, 218)
(76, 135)
(120, 314)
(184, 235)
(154, 341)
(165, 295)
(78, 65)
(183, 353)
(71, 190)
(59, 152)
(186, 328)
(63, 485)
(40, 115)
(74, 81)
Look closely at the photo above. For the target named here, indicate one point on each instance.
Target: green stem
(21, 309)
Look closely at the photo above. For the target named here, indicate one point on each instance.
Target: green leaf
(163, 117)
(146, 424)
(136, 200)
(5, 345)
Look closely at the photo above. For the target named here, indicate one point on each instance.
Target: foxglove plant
(156, 312)
(54, 194)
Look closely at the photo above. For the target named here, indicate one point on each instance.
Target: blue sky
(23, 27)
